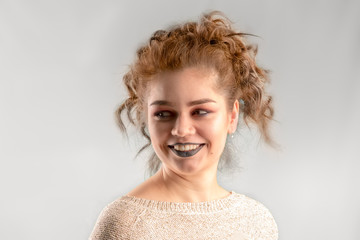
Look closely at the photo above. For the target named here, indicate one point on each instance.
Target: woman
(187, 88)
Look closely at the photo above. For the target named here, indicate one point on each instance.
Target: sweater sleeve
(265, 227)
(110, 224)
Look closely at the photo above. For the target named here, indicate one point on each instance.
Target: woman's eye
(163, 114)
(200, 112)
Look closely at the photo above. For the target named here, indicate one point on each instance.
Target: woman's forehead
(189, 84)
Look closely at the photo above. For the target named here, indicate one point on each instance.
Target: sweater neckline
(185, 207)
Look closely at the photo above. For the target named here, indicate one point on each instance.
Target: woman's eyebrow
(201, 101)
(192, 103)
(161, 102)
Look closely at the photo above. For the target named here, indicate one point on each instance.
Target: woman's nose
(183, 127)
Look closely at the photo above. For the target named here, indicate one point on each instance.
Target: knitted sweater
(234, 217)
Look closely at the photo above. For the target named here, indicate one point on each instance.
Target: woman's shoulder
(117, 208)
(114, 221)
(256, 214)
(247, 202)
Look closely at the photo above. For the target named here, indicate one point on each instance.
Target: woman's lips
(186, 149)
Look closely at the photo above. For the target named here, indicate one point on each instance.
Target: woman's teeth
(187, 147)
(186, 150)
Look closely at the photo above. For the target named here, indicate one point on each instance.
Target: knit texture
(234, 217)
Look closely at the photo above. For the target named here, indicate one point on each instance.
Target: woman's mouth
(185, 149)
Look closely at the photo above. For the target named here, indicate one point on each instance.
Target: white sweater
(234, 217)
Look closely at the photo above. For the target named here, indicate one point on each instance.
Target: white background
(63, 158)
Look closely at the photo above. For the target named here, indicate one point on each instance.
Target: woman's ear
(234, 117)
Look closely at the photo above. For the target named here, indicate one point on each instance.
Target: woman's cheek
(215, 124)
(160, 128)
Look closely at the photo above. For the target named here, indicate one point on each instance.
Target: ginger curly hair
(210, 42)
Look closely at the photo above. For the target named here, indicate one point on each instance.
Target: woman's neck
(188, 188)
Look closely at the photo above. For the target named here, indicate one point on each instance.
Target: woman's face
(188, 120)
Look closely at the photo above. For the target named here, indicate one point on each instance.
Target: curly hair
(210, 42)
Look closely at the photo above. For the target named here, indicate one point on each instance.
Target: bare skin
(162, 187)
(184, 107)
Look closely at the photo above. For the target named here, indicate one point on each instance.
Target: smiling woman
(184, 88)
(190, 134)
